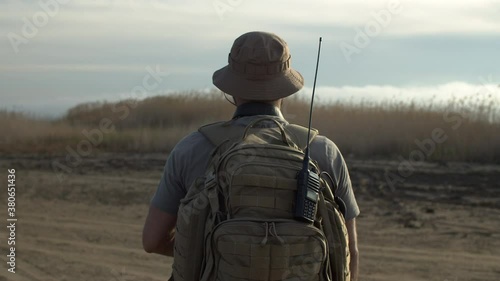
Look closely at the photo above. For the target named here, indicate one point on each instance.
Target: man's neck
(256, 108)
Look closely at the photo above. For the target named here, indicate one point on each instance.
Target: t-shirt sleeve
(186, 162)
(329, 158)
(170, 190)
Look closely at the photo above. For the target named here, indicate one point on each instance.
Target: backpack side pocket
(335, 230)
(189, 245)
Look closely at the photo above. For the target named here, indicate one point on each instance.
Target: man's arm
(158, 233)
(353, 248)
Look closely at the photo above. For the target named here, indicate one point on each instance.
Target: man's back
(189, 159)
(245, 218)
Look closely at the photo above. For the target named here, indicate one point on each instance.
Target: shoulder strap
(299, 135)
(220, 132)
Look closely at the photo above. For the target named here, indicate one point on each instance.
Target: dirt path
(88, 227)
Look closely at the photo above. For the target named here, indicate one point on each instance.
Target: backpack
(237, 223)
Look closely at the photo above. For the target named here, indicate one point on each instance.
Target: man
(258, 77)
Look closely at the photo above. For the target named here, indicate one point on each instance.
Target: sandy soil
(440, 223)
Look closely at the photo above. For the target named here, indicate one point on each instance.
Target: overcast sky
(74, 51)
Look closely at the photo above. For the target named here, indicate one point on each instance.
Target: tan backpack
(237, 223)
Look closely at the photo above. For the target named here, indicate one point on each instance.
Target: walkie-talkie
(308, 181)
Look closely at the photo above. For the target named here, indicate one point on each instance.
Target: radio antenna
(306, 156)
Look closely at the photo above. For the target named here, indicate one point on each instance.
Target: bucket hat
(259, 68)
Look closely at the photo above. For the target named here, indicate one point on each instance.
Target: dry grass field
(82, 218)
(470, 127)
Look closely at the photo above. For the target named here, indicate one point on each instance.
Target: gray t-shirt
(189, 158)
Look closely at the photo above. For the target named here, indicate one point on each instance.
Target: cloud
(102, 46)
(89, 67)
(194, 20)
(426, 95)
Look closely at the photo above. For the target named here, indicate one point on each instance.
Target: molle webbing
(258, 250)
(264, 181)
(262, 201)
(250, 193)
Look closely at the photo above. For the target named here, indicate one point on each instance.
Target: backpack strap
(220, 132)
(298, 134)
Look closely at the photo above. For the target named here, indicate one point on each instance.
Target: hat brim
(276, 87)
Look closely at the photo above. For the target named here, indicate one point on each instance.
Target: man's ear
(231, 102)
(239, 101)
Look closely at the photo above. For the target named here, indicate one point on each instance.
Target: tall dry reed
(384, 129)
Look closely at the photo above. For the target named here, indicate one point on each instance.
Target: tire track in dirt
(97, 235)
(119, 249)
(109, 263)
(444, 264)
(83, 229)
(78, 223)
(134, 262)
(427, 255)
(24, 270)
(153, 182)
(29, 269)
(475, 226)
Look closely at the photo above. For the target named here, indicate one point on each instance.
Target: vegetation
(464, 130)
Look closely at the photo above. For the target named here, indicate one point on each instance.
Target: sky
(55, 54)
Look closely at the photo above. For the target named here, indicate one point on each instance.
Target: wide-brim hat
(259, 68)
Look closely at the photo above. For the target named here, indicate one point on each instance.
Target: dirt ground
(440, 222)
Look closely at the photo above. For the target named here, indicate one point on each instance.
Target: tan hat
(259, 69)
